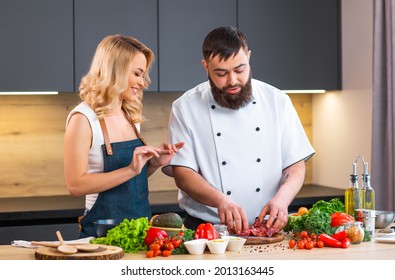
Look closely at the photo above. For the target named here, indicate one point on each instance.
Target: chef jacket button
(253, 102)
(213, 107)
(228, 192)
(258, 160)
(219, 134)
(258, 128)
(258, 189)
(224, 163)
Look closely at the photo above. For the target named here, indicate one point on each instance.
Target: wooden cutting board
(255, 240)
(104, 252)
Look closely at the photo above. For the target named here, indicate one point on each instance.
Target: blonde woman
(105, 158)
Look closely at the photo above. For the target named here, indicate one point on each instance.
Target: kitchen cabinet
(294, 44)
(95, 19)
(182, 28)
(36, 50)
(48, 45)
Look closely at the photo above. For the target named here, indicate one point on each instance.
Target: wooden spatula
(64, 248)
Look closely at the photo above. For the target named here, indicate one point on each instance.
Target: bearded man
(245, 148)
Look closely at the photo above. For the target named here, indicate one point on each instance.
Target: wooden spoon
(86, 247)
(81, 247)
(64, 248)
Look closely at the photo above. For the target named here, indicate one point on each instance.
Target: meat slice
(258, 229)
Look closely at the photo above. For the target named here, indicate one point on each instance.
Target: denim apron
(127, 200)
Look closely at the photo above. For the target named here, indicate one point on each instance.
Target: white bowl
(196, 246)
(217, 246)
(235, 243)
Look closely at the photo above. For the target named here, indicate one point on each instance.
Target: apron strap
(107, 142)
(135, 129)
(138, 133)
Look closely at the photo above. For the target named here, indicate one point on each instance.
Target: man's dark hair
(225, 42)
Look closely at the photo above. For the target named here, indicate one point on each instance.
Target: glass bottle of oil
(367, 190)
(353, 194)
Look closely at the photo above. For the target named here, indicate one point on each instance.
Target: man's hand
(233, 215)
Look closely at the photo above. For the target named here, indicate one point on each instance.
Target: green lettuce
(129, 235)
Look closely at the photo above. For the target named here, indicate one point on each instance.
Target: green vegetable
(129, 235)
(330, 207)
(318, 220)
(367, 236)
(188, 235)
(295, 223)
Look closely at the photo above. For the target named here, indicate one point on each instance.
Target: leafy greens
(129, 235)
(318, 220)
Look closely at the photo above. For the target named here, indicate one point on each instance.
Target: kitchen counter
(277, 251)
(44, 210)
(37, 218)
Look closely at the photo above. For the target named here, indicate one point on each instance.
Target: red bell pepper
(329, 241)
(206, 231)
(153, 234)
(340, 235)
(340, 218)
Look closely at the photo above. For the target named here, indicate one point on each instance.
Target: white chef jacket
(240, 152)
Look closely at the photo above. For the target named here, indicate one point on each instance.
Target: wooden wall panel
(31, 140)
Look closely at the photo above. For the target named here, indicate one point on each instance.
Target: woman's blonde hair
(108, 76)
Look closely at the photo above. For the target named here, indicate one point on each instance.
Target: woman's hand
(166, 153)
(141, 156)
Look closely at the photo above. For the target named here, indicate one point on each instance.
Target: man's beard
(232, 101)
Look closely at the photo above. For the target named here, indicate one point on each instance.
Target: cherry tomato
(180, 233)
(177, 242)
(159, 242)
(292, 243)
(309, 245)
(154, 247)
(157, 253)
(166, 253)
(301, 245)
(149, 254)
(304, 234)
(168, 246)
(320, 244)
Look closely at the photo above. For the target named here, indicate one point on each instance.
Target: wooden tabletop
(277, 251)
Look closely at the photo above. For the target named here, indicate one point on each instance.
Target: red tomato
(160, 242)
(168, 246)
(304, 234)
(166, 253)
(320, 244)
(291, 243)
(301, 245)
(177, 242)
(154, 247)
(149, 254)
(309, 245)
(157, 253)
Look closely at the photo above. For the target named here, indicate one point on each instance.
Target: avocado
(169, 220)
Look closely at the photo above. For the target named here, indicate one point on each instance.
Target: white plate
(390, 238)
